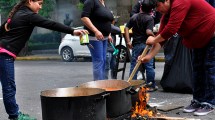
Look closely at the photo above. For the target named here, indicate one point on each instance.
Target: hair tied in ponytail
(6, 24)
(12, 12)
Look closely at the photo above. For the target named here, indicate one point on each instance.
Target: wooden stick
(171, 118)
(138, 63)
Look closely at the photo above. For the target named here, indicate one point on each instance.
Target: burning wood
(142, 109)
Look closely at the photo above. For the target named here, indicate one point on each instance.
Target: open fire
(142, 109)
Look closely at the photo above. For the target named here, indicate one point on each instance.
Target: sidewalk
(53, 55)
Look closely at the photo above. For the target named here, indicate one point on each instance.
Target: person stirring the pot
(14, 33)
(194, 21)
(97, 19)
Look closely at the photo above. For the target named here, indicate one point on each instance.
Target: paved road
(32, 77)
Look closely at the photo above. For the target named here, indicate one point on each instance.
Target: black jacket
(21, 27)
(100, 16)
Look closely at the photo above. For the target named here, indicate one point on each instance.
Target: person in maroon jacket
(14, 33)
(194, 21)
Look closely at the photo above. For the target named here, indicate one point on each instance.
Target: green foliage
(48, 7)
(7, 5)
(80, 6)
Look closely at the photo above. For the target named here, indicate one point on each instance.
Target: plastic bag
(177, 74)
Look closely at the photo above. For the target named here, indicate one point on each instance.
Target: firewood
(171, 118)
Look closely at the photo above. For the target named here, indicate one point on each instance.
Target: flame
(141, 105)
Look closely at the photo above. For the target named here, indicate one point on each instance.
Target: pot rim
(71, 92)
(105, 84)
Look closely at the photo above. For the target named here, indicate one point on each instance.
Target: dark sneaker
(24, 117)
(192, 107)
(152, 89)
(204, 109)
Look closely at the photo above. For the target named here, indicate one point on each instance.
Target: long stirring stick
(138, 64)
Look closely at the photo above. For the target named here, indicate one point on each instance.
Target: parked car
(70, 48)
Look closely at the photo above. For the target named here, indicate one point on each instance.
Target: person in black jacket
(14, 33)
(97, 19)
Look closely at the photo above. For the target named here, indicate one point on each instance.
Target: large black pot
(119, 101)
(136, 84)
(73, 104)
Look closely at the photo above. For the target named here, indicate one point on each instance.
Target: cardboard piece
(167, 108)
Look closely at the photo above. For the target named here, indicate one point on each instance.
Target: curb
(159, 59)
(29, 58)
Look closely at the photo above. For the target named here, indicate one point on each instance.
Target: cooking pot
(136, 84)
(119, 101)
(74, 104)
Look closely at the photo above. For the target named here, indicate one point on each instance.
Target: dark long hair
(13, 11)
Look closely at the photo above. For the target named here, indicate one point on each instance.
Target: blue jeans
(8, 85)
(149, 67)
(98, 53)
(110, 65)
(204, 73)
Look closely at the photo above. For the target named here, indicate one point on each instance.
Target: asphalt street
(32, 77)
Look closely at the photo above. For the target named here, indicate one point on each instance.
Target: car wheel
(67, 54)
(123, 53)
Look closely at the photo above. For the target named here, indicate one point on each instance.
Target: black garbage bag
(177, 73)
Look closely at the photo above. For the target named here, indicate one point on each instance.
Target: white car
(70, 48)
